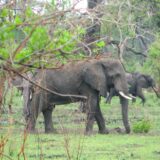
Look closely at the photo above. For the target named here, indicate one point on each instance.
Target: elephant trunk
(124, 105)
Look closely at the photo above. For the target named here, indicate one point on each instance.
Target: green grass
(71, 143)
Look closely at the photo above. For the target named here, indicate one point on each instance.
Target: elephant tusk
(30, 96)
(132, 96)
(125, 96)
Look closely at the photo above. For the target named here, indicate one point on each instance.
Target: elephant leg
(83, 107)
(133, 91)
(100, 121)
(89, 123)
(111, 94)
(48, 120)
(94, 113)
(108, 100)
(141, 95)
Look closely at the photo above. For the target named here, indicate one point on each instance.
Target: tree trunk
(93, 32)
(2, 81)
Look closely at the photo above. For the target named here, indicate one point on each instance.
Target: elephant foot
(142, 102)
(128, 130)
(88, 133)
(106, 131)
(30, 128)
(31, 131)
(50, 131)
(121, 130)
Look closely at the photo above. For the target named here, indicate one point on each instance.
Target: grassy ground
(70, 143)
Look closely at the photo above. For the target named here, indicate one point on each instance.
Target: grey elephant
(136, 81)
(88, 78)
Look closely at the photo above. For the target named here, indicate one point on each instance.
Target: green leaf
(17, 20)
(100, 44)
(24, 54)
(4, 13)
(4, 53)
(29, 12)
(39, 39)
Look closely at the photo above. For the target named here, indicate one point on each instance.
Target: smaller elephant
(136, 82)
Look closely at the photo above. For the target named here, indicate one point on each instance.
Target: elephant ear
(95, 77)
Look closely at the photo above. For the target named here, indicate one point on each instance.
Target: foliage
(30, 38)
(142, 126)
(152, 64)
(35, 39)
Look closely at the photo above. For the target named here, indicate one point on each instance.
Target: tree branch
(46, 89)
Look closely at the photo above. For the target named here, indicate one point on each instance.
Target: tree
(94, 29)
(152, 64)
(29, 40)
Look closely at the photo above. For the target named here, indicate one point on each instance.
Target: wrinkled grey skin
(91, 78)
(136, 82)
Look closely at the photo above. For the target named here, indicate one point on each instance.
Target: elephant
(136, 81)
(89, 78)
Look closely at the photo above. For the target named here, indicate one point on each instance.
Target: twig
(23, 43)
(156, 92)
(23, 146)
(6, 156)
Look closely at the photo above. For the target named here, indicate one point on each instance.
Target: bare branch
(46, 89)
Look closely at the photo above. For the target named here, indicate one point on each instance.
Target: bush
(142, 126)
(152, 65)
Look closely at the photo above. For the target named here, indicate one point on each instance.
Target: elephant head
(150, 81)
(144, 80)
(103, 75)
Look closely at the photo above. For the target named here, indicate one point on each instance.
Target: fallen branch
(156, 92)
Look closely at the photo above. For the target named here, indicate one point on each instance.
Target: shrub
(142, 126)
